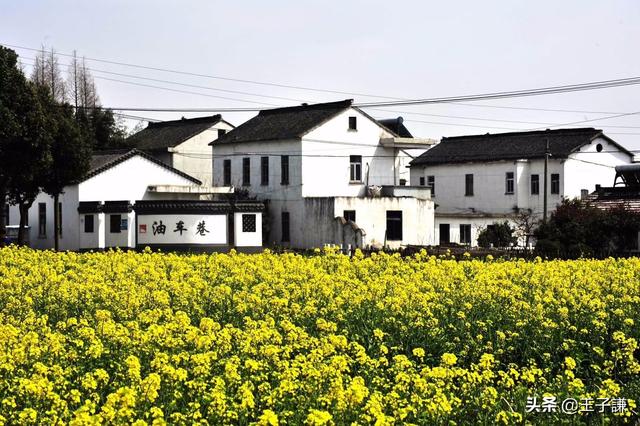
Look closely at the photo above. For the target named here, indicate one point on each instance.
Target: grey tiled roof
(509, 146)
(165, 134)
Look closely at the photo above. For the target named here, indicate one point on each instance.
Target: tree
(499, 234)
(70, 157)
(46, 72)
(525, 222)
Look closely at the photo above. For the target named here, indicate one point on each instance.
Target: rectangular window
(445, 234)
(246, 171)
(285, 227)
(394, 225)
(60, 219)
(355, 168)
(226, 165)
(468, 185)
(421, 180)
(349, 215)
(221, 132)
(88, 223)
(114, 223)
(248, 223)
(6, 215)
(509, 183)
(431, 183)
(555, 183)
(353, 123)
(465, 233)
(42, 220)
(284, 169)
(264, 170)
(535, 184)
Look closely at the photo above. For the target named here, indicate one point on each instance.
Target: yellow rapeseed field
(152, 338)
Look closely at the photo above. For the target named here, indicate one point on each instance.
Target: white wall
(215, 224)
(91, 240)
(193, 156)
(247, 239)
(477, 225)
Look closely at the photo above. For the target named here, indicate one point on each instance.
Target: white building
(317, 166)
(183, 144)
(130, 199)
(482, 179)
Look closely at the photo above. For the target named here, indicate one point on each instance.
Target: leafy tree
(70, 156)
(579, 229)
(499, 234)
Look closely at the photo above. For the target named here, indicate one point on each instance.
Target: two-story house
(481, 179)
(332, 175)
(183, 144)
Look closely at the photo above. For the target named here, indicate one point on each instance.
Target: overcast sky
(404, 49)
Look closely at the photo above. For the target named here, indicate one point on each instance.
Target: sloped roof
(104, 160)
(396, 126)
(284, 123)
(510, 146)
(165, 134)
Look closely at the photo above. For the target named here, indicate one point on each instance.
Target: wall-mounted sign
(192, 229)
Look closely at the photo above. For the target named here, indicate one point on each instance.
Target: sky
(399, 49)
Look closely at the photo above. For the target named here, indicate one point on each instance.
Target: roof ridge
(205, 119)
(346, 103)
(566, 130)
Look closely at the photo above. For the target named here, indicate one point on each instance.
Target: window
(6, 215)
(248, 223)
(42, 220)
(88, 223)
(445, 234)
(394, 225)
(465, 233)
(508, 183)
(114, 223)
(599, 147)
(355, 168)
(555, 183)
(285, 227)
(284, 170)
(349, 215)
(221, 132)
(60, 219)
(431, 183)
(535, 184)
(226, 172)
(403, 182)
(264, 170)
(353, 123)
(246, 171)
(468, 185)
(421, 180)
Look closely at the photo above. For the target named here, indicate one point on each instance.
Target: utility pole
(546, 165)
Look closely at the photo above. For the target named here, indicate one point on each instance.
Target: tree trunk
(24, 211)
(56, 222)
(3, 204)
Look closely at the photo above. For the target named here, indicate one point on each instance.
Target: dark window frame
(555, 183)
(509, 183)
(264, 171)
(349, 215)
(285, 222)
(284, 170)
(89, 225)
(353, 123)
(534, 186)
(355, 168)
(431, 183)
(246, 171)
(42, 220)
(226, 172)
(422, 181)
(221, 132)
(468, 185)
(249, 222)
(115, 229)
(394, 225)
(465, 233)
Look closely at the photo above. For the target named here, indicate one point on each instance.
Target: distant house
(480, 179)
(130, 199)
(331, 174)
(183, 144)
